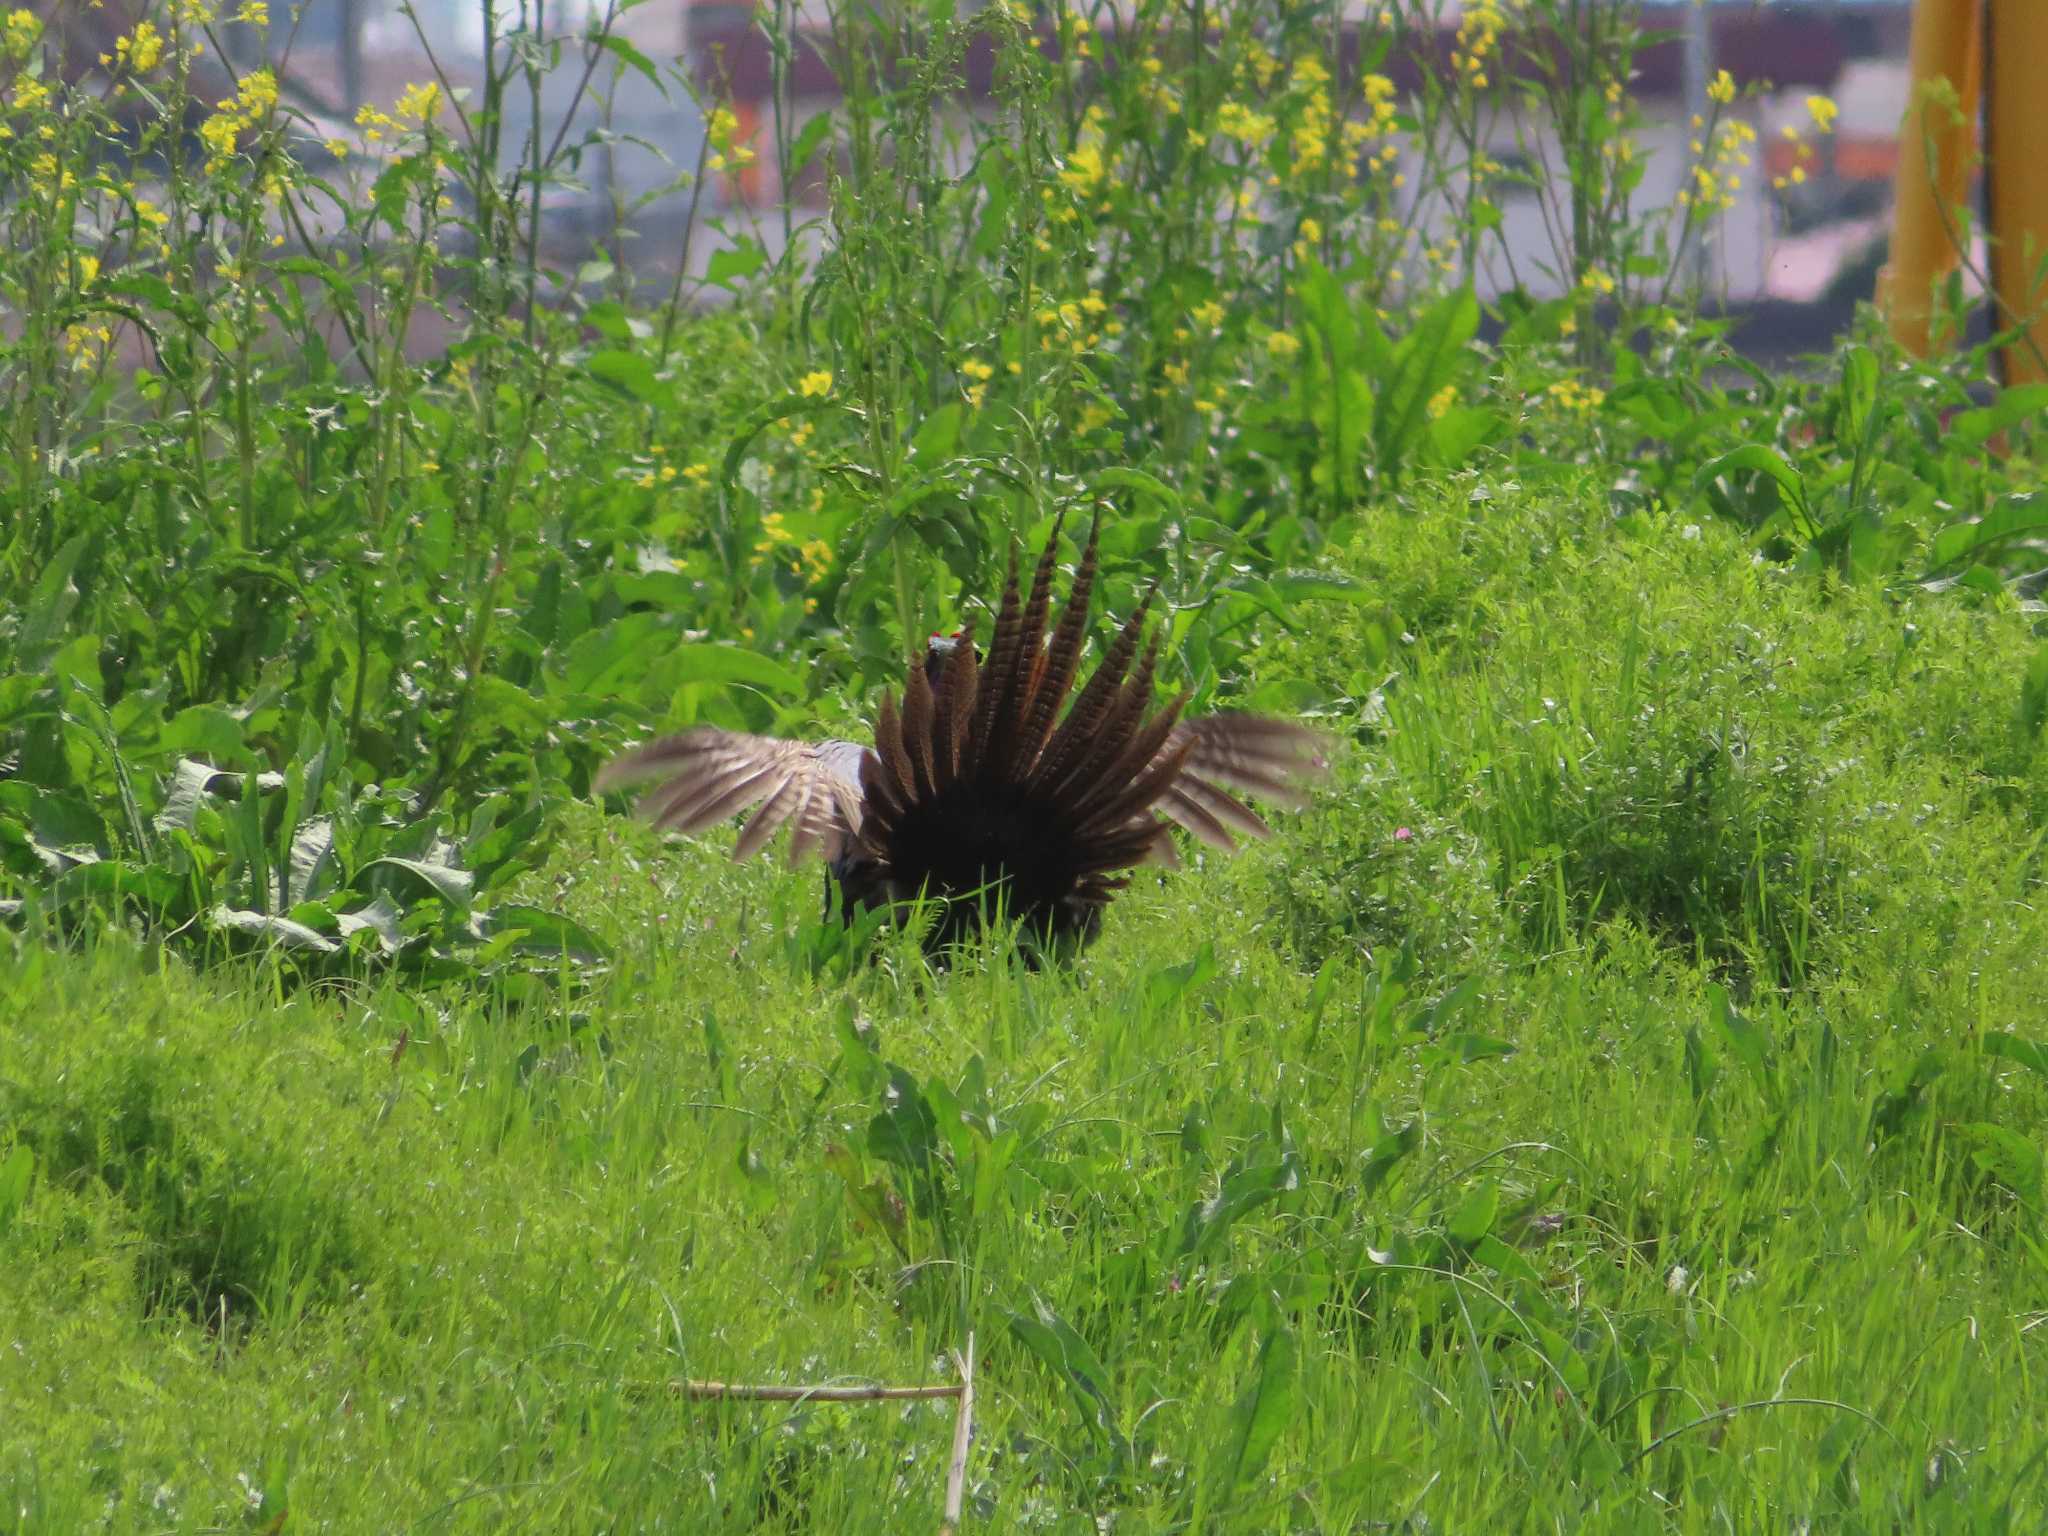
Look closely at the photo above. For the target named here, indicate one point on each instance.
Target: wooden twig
(963, 1432)
(782, 1393)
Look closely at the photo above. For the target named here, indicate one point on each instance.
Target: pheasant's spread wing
(704, 776)
(1252, 754)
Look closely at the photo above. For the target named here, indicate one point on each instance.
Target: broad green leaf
(205, 730)
(2022, 516)
(631, 57)
(1760, 458)
(278, 930)
(1972, 429)
(1263, 1411)
(810, 139)
(1053, 1340)
(536, 931)
(450, 884)
(628, 371)
(2031, 1054)
(732, 264)
(1744, 1038)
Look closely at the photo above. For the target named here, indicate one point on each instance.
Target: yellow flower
(1311, 230)
(723, 131)
(1442, 401)
(419, 103)
(337, 148)
(1722, 89)
(30, 94)
(1281, 345)
(46, 174)
(816, 383)
(1084, 169)
(150, 214)
(247, 108)
(1823, 111)
(18, 35)
(254, 13)
(1240, 122)
(1209, 314)
(977, 370)
(697, 474)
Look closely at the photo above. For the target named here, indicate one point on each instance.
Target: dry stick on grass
(776, 1392)
(963, 1431)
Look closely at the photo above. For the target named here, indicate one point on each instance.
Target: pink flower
(1403, 834)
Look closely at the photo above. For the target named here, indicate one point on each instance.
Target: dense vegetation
(1617, 1105)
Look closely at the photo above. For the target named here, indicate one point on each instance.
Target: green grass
(1616, 1105)
(1636, 1145)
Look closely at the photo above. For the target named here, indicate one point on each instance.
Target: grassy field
(1599, 1113)
(1616, 1104)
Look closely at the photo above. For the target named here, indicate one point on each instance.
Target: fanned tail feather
(997, 776)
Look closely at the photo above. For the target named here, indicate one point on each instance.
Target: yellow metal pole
(1936, 142)
(2016, 152)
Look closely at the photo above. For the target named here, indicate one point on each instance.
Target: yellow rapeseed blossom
(1240, 122)
(418, 103)
(1722, 88)
(1282, 345)
(19, 33)
(46, 176)
(815, 384)
(1574, 396)
(254, 13)
(727, 152)
(141, 50)
(1823, 111)
(697, 474)
(1479, 30)
(1442, 401)
(1084, 170)
(247, 108)
(30, 94)
(1208, 314)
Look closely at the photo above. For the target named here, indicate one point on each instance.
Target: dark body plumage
(979, 794)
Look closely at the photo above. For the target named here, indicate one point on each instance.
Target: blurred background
(1789, 260)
